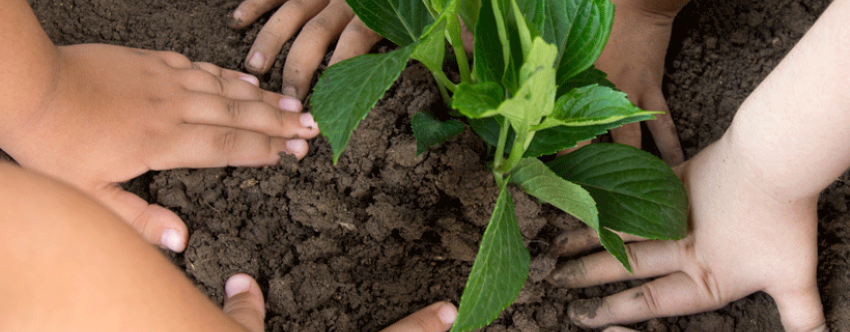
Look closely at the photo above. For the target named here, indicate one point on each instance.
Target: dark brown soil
(356, 246)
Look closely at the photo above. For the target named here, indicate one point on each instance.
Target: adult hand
(741, 240)
(320, 21)
(634, 61)
(115, 113)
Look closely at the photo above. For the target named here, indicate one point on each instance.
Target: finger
(584, 239)
(308, 49)
(280, 27)
(801, 309)
(618, 329)
(628, 134)
(210, 146)
(249, 115)
(664, 132)
(356, 39)
(674, 295)
(213, 79)
(646, 258)
(244, 302)
(249, 10)
(156, 224)
(437, 317)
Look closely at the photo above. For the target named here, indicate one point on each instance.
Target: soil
(358, 245)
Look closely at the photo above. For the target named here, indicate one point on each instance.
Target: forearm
(28, 66)
(667, 8)
(793, 131)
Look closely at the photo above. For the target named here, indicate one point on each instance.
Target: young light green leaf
(348, 90)
(539, 181)
(635, 192)
(614, 245)
(478, 100)
(499, 271)
(536, 97)
(591, 105)
(547, 141)
(400, 21)
(430, 131)
(588, 24)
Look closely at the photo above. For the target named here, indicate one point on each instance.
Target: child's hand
(115, 113)
(634, 61)
(322, 22)
(741, 241)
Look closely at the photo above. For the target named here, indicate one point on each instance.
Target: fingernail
(237, 284)
(256, 61)
(237, 14)
(171, 240)
(290, 91)
(447, 314)
(307, 121)
(296, 145)
(290, 105)
(250, 79)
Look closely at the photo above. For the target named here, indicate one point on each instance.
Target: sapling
(532, 90)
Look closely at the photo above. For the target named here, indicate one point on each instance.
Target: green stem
(500, 147)
(460, 51)
(441, 78)
(517, 151)
(445, 94)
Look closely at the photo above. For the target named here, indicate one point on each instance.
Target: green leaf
(478, 100)
(400, 21)
(469, 10)
(588, 77)
(490, 61)
(430, 131)
(588, 23)
(592, 105)
(539, 181)
(614, 245)
(536, 97)
(347, 91)
(546, 141)
(432, 49)
(635, 192)
(499, 271)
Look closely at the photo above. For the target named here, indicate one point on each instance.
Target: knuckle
(649, 296)
(227, 141)
(632, 256)
(175, 59)
(424, 324)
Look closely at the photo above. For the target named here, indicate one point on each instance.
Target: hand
(741, 240)
(634, 61)
(322, 21)
(244, 303)
(115, 113)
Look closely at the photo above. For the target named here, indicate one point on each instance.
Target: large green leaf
(490, 61)
(589, 76)
(583, 32)
(635, 192)
(539, 181)
(430, 131)
(400, 21)
(499, 271)
(592, 105)
(547, 141)
(468, 11)
(347, 91)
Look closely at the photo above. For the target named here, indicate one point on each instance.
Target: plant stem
(500, 148)
(460, 51)
(443, 93)
(517, 151)
(441, 78)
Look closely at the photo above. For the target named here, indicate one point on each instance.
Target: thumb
(437, 317)
(156, 224)
(801, 309)
(244, 302)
